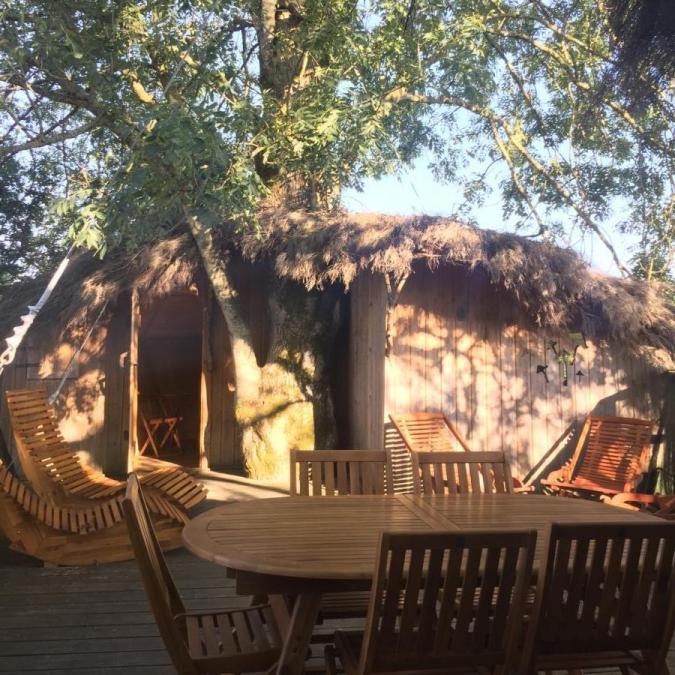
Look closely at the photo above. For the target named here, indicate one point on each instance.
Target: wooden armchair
(340, 472)
(454, 472)
(442, 603)
(609, 458)
(606, 599)
(218, 641)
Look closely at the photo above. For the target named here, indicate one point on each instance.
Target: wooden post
(133, 379)
(204, 380)
(367, 361)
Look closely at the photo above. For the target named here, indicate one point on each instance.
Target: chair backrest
(465, 472)
(612, 451)
(164, 598)
(444, 599)
(606, 586)
(340, 472)
(428, 431)
(43, 453)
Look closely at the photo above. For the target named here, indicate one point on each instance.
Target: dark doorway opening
(169, 377)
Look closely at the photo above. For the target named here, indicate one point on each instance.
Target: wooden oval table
(302, 547)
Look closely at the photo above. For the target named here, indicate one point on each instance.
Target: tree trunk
(285, 403)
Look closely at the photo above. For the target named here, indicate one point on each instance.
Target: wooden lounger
(77, 536)
(609, 458)
(59, 475)
(428, 432)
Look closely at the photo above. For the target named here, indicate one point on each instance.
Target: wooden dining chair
(323, 473)
(340, 472)
(461, 473)
(605, 600)
(218, 641)
(442, 602)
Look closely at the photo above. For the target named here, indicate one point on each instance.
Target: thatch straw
(553, 286)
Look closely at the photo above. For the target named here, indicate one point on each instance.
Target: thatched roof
(552, 285)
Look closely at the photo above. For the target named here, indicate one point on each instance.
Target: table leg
(300, 624)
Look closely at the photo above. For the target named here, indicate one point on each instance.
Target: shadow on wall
(641, 399)
(458, 346)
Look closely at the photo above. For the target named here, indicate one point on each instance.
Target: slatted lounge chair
(461, 473)
(214, 641)
(428, 432)
(442, 603)
(606, 600)
(609, 457)
(58, 474)
(76, 536)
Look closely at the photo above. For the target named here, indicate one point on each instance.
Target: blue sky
(417, 191)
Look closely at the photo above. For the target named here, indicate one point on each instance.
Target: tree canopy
(155, 111)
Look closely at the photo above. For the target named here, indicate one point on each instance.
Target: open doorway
(169, 372)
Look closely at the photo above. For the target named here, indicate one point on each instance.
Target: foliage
(28, 243)
(202, 107)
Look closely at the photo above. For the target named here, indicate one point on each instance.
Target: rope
(75, 356)
(19, 332)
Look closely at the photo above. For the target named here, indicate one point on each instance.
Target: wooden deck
(60, 621)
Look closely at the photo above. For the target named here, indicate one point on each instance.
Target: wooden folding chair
(605, 600)
(428, 432)
(442, 603)
(610, 457)
(340, 472)
(159, 424)
(454, 472)
(227, 641)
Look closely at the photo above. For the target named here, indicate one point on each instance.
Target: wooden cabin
(515, 340)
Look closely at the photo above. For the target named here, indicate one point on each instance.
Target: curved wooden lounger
(77, 536)
(58, 474)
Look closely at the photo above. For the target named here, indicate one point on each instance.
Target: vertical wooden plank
(205, 380)
(367, 363)
(510, 387)
(133, 379)
(116, 391)
(539, 349)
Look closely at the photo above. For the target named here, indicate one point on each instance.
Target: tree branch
(400, 94)
(42, 140)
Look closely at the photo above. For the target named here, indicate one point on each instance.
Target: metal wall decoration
(565, 355)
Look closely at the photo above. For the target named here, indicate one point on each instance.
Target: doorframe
(132, 450)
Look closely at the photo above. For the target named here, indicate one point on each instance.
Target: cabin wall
(42, 361)
(459, 346)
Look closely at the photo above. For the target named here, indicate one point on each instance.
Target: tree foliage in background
(644, 31)
(202, 106)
